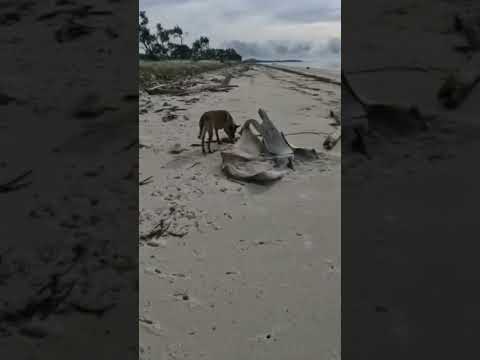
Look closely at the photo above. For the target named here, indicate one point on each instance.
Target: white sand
(257, 273)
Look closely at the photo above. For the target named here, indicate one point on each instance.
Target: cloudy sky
(298, 29)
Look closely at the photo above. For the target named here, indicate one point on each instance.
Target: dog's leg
(210, 138)
(202, 136)
(218, 137)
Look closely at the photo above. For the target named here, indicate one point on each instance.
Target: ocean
(321, 64)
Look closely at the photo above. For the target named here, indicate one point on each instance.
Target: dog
(213, 121)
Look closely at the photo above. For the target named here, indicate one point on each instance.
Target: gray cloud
(285, 49)
(249, 49)
(298, 11)
(148, 3)
(309, 15)
(234, 14)
(256, 28)
(281, 49)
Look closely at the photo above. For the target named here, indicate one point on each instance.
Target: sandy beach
(245, 271)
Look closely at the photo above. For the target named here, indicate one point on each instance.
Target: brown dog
(213, 121)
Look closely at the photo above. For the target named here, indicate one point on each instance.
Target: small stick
(146, 181)
(194, 164)
(308, 132)
(180, 235)
(332, 140)
(158, 231)
(237, 181)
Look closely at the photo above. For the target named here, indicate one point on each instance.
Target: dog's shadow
(189, 157)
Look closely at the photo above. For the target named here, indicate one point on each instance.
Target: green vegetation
(153, 72)
(158, 46)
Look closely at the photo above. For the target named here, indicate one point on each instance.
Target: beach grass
(153, 72)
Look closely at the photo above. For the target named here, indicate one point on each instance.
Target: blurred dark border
(409, 179)
(69, 179)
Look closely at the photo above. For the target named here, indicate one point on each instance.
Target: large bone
(273, 139)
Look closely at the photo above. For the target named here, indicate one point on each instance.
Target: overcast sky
(304, 29)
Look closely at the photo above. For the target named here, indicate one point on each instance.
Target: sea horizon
(319, 64)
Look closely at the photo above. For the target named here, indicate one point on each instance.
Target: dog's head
(231, 130)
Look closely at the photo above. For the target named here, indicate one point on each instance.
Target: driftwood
(307, 132)
(158, 231)
(332, 139)
(160, 90)
(217, 88)
(336, 117)
(146, 181)
(224, 86)
(195, 163)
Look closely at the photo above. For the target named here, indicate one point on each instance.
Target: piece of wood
(332, 139)
(160, 90)
(335, 116)
(146, 181)
(307, 132)
(158, 231)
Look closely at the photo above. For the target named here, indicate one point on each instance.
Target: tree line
(159, 45)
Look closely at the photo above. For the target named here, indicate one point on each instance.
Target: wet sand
(242, 271)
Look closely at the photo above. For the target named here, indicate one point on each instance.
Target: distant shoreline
(329, 65)
(324, 75)
(250, 61)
